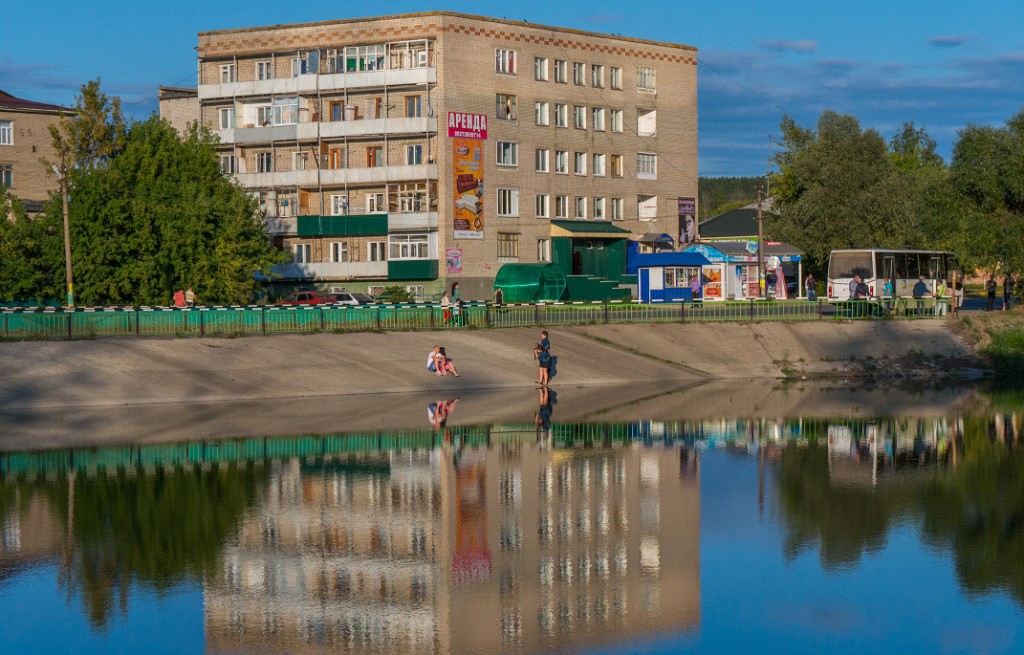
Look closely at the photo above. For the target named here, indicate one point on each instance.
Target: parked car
(347, 298)
(307, 298)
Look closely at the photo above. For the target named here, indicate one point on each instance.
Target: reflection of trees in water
(974, 506)
(844, 520)
(979, 510)
(154, 528)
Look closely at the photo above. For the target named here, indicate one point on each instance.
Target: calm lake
(870, 532)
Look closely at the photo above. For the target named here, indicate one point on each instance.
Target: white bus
(903, 267)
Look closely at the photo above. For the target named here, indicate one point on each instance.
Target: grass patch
(1005, 350)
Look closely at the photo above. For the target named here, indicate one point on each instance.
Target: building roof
(671, 258)
(7, 101)
(452, 14)
(177, 92)
(738, 223)
(600, 229)
(656, 237)
(746, 250)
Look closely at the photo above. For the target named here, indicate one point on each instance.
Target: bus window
(935, 268)
(844, 265)
(906, 264)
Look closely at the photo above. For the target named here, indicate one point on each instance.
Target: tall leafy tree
(838, 187)
(160, 215)
(31, 254)
(987, 194)
(93, 134)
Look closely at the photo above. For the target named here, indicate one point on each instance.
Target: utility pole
(62, 174)
(760, 245)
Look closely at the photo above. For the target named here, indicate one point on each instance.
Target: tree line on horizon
(152, 212)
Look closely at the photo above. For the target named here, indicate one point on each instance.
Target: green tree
(160, 215)
(838, 187)
(93, 134)
(986, 199)
(31, 254)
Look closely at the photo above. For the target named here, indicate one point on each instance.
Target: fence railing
(84, 323)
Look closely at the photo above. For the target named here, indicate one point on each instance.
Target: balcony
(336, 226)
(312, 83)
(412, 269)
(405, 221)
(281, 224)
(366, 127)
(333, 271)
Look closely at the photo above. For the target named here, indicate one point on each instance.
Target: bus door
(888, 270)
(936, 271)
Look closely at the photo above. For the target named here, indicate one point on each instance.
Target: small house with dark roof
(734, 225)
(24, 141)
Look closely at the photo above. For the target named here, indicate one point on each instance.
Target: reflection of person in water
(543, 416)
(438, 412)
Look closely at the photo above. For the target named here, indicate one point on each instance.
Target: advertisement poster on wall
(453, 261)
(687, 221)
(468, 133)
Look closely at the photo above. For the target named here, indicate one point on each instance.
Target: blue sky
(940, 64)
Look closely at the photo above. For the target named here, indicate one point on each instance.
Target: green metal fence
(57, 323)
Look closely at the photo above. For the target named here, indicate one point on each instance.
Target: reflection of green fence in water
(561, 436)
(52, 323)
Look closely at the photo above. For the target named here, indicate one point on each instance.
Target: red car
(307, 298)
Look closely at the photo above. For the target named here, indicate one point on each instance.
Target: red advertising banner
(467, 126)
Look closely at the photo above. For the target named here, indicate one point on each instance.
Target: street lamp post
(62, 175)
(760, 248)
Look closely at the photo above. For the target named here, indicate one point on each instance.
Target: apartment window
(337, 158)
(615, 165)
(561, 71)
(646, 166)
(264, 162)
(616, 209)
(6, 133)
(578, 73)
(597, 118)
(579, 117)
(505, 108)
(409, 196)
(374, 156)
(339, 251)
(227, 164)
(646, 122)
(561, 115)
(227, 73)
(264, 69)
(414, 155)
(413, 106)
(508, 153)
(597, 76)
(300, 159)
(376, 251)
(285, 204)
(339, 205)
(505, 61)
(543, 205)
(598, 168)
(544, 250)
(579, 163)
(364, 58)
(562, 161)
(579, 207)
(408, 246)
(508, 202)
(542, 160)
(647, 208)
(540, 69)
(561, 206)
(303, 65)
(301, 253)
(599, 209)
(540, 113)
(375, 203)
(615, 78)
(645, 78)
(7, 176)
(508, 245)
(226, 118)
(616, 120)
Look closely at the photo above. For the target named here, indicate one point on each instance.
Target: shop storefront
(733, 271)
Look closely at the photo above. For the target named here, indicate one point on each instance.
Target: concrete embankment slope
(56, 394)
(59, 374)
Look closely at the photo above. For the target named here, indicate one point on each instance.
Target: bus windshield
(844, 265)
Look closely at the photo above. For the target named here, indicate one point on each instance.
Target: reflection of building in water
(591, 547)
(341, 557)
(513, 547)
(860, 451)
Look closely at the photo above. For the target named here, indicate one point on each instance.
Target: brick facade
(24, 141)
(344, 115)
